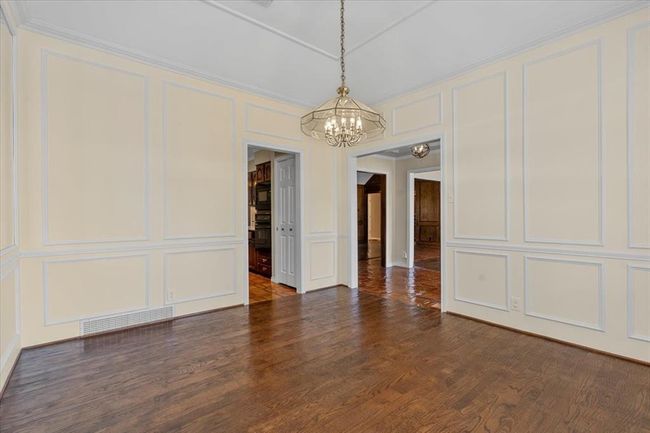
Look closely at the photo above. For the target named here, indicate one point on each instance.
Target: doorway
(399, 279)
(371, 216)
(424, 219)
(273, 222)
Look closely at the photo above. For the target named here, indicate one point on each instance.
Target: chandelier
(420, 150)
(342, 121)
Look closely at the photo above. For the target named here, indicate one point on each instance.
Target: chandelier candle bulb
(330, 122)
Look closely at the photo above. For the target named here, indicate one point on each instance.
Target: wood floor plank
(336, 360)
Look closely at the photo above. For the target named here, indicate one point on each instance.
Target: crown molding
(58, 32)
(217, 5)
(511, 52)
(12, 13)
(388, 27)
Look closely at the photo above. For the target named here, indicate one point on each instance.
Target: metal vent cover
(103, 324)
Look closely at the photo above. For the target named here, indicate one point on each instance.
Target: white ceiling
(288, 49)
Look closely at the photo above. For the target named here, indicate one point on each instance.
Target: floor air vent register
(104, 324)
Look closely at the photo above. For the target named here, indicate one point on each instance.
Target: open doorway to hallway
(273, 219)
(371, 216)
(425, 242)
(395, 275)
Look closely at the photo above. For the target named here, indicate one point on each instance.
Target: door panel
(427, 211)
(286, 225)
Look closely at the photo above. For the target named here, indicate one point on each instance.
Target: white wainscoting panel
(200, 274)
(321, 195)
(83, 288)
(272, 122)
(563, 179)
(9, 316)
(7, 140)
(638, 137)
(638, 302)
(92, 116)
(419, 114)
(480, 159)
(200, 163)
(565, 291)
(322, 259)
(482, 278)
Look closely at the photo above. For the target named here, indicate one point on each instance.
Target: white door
(286, 222)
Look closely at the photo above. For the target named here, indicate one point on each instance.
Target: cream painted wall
(133, 188)
(545, 185)
(10, 338)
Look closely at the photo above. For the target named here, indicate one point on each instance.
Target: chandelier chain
(342, 44)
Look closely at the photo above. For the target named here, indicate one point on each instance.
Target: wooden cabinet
(267, 171)
(362, 214)
(264, 264)
(263, 172)
(252, 252)
(427, 211)
(251, 188)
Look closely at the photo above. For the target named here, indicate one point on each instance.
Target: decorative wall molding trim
(333, 208)
(61, 33)
(631, 61)
(434, 122)
(45, 54)
(601, 182)
(46, 297)
(10, 13)
(166, 290)
(506, 145)
(630, 303)
(233, 206)
(11, 348)
(9, 265)
(247, 127)
(15, 340)
(10, 21)
(600, 326)
(524, 248)
(151, 246)
(512, 52)
(313, 277)
(505, 305)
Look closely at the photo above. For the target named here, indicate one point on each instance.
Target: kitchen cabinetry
(263, 172)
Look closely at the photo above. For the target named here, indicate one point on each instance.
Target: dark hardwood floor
(427, 256)
(330, 361)
(261, 289)
(419, 285)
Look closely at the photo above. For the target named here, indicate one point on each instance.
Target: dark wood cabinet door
(259, 172)
(427, 211)
(267, 171)
(252, 256)
(362, 214)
